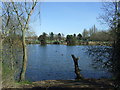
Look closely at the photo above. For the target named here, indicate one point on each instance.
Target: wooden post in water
(77, 70)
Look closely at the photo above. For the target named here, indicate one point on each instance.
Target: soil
(95, 84)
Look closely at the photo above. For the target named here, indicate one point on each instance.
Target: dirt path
(86, 83)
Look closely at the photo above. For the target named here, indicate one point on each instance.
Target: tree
(11, 42)
(59, 36)
(51, 36)
(101, 36)
(85, 34)
(70, 40)
(74, 35)
(42, 38)
(79, 36)
(111, 17)
(109, 57)
(22, 12)
(92, 30)
(116, 45)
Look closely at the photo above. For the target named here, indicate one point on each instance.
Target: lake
(54, 62)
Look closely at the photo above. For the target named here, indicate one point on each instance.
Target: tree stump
(77, 70)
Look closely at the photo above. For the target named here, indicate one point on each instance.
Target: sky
(66, 17)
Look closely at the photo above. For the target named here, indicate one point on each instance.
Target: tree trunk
(24, 65)
(77, 70)
(1, 40)
(11, 54)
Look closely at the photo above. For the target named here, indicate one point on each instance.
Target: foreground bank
(69, 84)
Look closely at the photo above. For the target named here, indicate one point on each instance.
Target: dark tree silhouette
(70, 40)
(59, 36)
(51, 36)
(79, 36)
(42, 38)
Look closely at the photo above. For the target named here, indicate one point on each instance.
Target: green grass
(25, 82)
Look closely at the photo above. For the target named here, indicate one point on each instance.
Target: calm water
(52, 62)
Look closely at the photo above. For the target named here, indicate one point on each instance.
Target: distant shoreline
(91, 43)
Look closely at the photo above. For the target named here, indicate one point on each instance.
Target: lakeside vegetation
(93, 36)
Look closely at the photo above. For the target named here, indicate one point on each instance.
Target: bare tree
(85, 34)
(21, 13)
(27, 13)
(111, 17)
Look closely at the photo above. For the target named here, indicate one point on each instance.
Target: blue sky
(66, 17)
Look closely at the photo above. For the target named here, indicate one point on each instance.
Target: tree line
(93, 34)
(58, 38)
